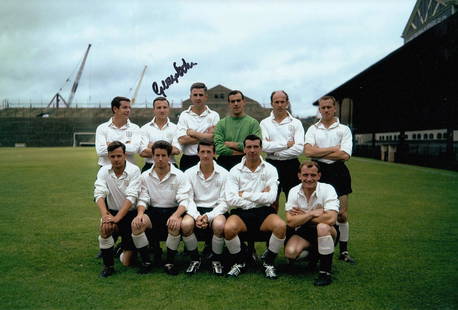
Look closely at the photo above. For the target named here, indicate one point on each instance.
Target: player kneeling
(115, 192)
(312, 209)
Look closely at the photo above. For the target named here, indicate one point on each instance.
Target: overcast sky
(307, 48)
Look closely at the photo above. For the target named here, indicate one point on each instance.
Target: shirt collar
(319, 124)
(314, 194)
(204, 113)
(173, 171)
(113, 174)
(153, 123)
(242, 164)
(287, 119)
(216, 169)
(123, 127)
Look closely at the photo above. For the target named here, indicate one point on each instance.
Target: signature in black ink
(173, 78)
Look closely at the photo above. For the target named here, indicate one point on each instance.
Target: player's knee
(279, 228)
(106, 230)
(187, 226)
(218, 226)
(230, 231)
(290, 252)
(342, 217)
(127, 258)
(323, 229)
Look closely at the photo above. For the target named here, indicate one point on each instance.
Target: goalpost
(83, 138)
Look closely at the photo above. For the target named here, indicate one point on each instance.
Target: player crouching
(115, 192)
(312, 209)
(161, 210)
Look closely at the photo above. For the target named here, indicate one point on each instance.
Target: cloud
(305, 47)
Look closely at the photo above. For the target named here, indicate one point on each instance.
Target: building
(404, 107)
(217, 101)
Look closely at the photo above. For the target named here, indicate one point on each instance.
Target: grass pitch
(403, 234)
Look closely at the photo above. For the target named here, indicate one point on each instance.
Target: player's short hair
(277, 91)
(252, 138)
(328, 98)
(116, 144)
(235, 92)
(160, 99)
(116, 102)
(163, 145)
(206, 144)
(198, 85)
(310, 164)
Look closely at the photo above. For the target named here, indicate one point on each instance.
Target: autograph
(173, 78)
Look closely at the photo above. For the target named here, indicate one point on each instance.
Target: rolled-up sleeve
(347, 141)
(100, 142)
(132, 191)
(232, 193)
(143, 197)
(100, 185)
(265, 198)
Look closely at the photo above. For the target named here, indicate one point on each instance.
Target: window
(431, 136)
(425, 136)
(439, 136)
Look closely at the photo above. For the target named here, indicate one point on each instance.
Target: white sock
(172, 242)
(140, 240)
(344, 231)
(106, 243)
(190, 242)
(217, 245)
(275, 244)
(325, 245)
(233, 245)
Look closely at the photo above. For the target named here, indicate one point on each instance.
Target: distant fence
(422, 153)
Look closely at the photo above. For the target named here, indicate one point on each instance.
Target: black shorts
(207, 233)
(337, 175)
(308, 232)
(125, 229)
(188, 161)
(287, 174)
(159, 217)
(253, 218)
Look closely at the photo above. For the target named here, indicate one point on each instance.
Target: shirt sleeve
(232, 193)
(133, 188)
(331, 201)
(144, 139)
(184, 191)
(292, 200)
(182, 126)
(143, 197)
(270, 146)
(310, 136)
(219, 139)
(221, 206)
(265, 198)
(346, 144)
(100, 186)
(191, 208)
(101, 142)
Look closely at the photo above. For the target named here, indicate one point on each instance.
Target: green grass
(404, 234)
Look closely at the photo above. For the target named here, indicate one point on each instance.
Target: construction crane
(132, 100)
(78, 76)
(58, 97)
